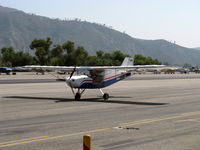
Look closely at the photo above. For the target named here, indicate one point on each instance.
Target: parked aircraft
(6, 70)
(95, 77)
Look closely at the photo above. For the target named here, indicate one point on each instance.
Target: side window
(97, 75)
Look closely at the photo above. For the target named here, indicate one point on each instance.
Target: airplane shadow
(97, 100)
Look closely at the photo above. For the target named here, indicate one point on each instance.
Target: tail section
(128, 61)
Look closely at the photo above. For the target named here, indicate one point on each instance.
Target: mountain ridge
(198, 48)
(18, 29)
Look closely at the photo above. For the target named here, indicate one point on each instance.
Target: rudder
(128, 61)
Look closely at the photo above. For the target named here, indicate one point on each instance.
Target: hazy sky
(173, 20)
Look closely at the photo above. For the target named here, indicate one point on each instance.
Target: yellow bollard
(87, 142)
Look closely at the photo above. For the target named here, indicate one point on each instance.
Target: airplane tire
(105, 96)
(77, 96)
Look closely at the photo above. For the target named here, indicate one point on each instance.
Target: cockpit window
(97, 75)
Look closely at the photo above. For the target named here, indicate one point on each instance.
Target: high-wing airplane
(95, 77)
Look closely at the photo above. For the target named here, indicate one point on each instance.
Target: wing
(67, 68)
(70, 68)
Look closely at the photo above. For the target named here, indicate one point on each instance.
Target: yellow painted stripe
(189, 120)
(191, 113)
(160, 119)
(150, 121)
(51, 138)
(23, 140)
(44, 138)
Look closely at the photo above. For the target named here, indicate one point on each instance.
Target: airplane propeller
(60, 79)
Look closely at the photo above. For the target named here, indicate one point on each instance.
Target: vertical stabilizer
(128, 61)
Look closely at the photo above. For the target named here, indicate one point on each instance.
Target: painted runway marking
(45, 138)
(140, 122)
(22, 141)
(159, 119)
(189, 120)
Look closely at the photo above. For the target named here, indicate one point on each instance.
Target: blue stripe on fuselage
(90, 85)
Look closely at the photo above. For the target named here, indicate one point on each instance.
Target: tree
(118, 57)
(68, 47)
(68, 57)
(55, 61)
(91, 61)
(100, 53)
(8, 56)
(80, 55)
(12, 58)
(56, 51)
(56, 55)
(22, 59)
(42, 56)
(42, 48)
(142, 60)
(66, 54)
(41, 43)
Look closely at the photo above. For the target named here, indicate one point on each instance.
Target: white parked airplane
(95, 77)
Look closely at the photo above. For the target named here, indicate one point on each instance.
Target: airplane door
(97, 75)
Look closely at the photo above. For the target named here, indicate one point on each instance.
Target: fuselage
(101, 79)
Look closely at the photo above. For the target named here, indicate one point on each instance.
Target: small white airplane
(95, 77)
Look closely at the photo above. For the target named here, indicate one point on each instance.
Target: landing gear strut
(105, 95)
(78, 94)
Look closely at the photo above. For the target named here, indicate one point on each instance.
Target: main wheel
(77, 96)
(105, 96)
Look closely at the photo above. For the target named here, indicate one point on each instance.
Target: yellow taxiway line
(23, 140)
(189, 120)
(45, 138)
(159, 119)
(140, 122)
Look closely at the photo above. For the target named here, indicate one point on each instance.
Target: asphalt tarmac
(155, 112)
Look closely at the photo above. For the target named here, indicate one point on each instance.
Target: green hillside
(18, 29)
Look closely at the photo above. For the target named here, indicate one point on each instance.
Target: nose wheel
(77, 96)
